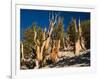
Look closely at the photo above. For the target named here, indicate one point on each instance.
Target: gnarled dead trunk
(46, 42)
(22, 51)
(55, 51)
(79, 45)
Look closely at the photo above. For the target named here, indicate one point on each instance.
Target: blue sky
(41, 17)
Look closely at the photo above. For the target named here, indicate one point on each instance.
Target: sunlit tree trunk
(79, 45)
(22, 51)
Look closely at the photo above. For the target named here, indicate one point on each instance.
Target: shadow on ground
(77, 61)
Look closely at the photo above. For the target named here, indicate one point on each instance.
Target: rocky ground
(68, 59)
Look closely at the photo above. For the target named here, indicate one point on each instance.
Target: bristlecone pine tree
(72, 34)
(86, 32)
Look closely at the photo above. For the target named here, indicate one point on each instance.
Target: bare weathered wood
(22, 51)
(79, 45)
(54, 52)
